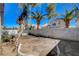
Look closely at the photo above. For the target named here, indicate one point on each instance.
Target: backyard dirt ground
(30, 46)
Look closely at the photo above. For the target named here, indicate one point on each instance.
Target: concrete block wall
(58, 33)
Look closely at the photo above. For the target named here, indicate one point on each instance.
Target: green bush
(6, 37)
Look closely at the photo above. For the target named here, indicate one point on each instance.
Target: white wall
(11, 32)
(59, 33)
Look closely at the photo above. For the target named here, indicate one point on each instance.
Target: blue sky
(12, 12)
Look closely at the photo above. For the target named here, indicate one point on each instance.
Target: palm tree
(50, 14)
(69, 15)
(38, 17)
(51, 10)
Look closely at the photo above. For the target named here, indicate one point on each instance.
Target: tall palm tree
(69, 15)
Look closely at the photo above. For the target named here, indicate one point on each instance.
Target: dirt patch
(30, 46)
(7, 49)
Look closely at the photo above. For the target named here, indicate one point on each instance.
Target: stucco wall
(59, 33)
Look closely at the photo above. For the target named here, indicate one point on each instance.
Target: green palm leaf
(51, 11)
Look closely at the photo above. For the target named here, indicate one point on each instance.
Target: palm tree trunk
(38, 23)
(67, 24)
(37, 26)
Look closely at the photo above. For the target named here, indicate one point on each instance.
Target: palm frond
(33, 13)
(21, 5)
(33, 4)
(77, 12)
(69, 14)
(51, 10)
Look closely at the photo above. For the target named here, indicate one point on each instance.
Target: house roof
(57, 19)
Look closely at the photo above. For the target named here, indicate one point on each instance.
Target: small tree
(6, 37)
(69, 15)
(38, 17)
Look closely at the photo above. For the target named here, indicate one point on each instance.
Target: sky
(12, 11)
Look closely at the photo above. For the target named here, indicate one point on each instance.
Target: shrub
(6, 37)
